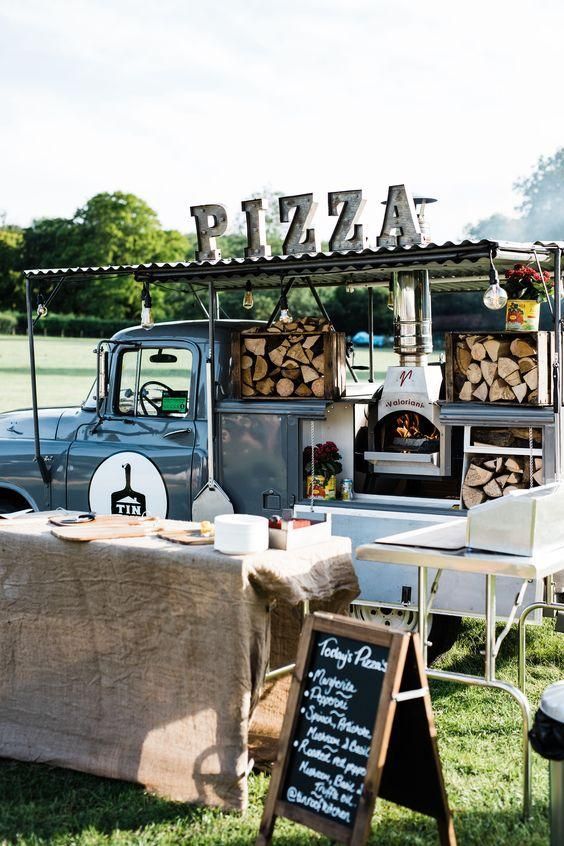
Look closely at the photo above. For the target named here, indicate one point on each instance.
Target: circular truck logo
(128, 483)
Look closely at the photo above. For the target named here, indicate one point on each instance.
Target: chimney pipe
(413, 338)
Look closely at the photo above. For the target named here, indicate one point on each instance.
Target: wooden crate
(503, 368)
(288, 364)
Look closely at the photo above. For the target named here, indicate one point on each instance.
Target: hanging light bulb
(42, 310)
(248, 301)
(147, 321)
(285, 316)
(495, 297)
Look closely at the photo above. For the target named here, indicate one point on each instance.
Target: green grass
(479, 731)
(479, 740)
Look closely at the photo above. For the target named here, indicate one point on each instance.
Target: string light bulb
(248, 301)
(42, 310)
(147, 321)
(285, 316)
(495, 297)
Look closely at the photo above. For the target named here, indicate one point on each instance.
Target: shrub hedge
(61, 325)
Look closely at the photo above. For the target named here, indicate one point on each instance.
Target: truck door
(138, 458)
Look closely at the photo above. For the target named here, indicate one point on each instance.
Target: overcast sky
(184, 103)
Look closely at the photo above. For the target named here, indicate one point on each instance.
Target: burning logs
(489, 477)
(303, 359)
(498, 368)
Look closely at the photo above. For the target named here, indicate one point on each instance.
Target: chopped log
(472, 496)
(491, 464)
(505, 366)
(310, 354)
(471, 340)
(478, 351)
(481, 392)
(474, 373)
(246, 377)
(539, 477)
(291, 373)
(489, 370)
(247, 391)
(492, 489)
(319, 362)
(523, 434)
(463, 359)
(285, 387)
(296, 352)
(508, 488)
(521, 347)
(532, 378)
(277, 355)
(495, 348)
(290, 365)
(520, 391)
(526, 364)
(246, 362)
(538, 463)
(477, 476)
(261, 368)
(289, 327)
(275, 371)
(318, 387)
(502, 480)
(265, 386)
(309, 374)
(514, 478)
(255, 345)
(466, 392)
(513, 465)
(533, 397)
(303, 391)
(498, 463)
(514, 378)
(500, 391)
(274, 329)
(310, 342)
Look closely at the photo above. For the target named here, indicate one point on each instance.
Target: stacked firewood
(285, 360)
(496, 369)
(489, 477)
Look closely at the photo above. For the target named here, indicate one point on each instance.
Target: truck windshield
(155, 382)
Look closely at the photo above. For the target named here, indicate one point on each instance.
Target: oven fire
(409, 428)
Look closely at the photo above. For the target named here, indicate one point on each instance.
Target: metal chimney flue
(413, 339)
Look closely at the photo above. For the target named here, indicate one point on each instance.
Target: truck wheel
(9, 503)
(444, 628)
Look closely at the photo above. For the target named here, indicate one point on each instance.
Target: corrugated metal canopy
(452, 267)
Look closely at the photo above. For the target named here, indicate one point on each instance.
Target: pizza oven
(405, 435)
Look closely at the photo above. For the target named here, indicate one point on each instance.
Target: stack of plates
(237, 534)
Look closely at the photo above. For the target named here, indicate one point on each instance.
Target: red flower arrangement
(327, 459)
(525, 283)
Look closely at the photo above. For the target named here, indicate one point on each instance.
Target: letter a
(401, 226)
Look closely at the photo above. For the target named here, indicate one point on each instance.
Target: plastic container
(547, 738)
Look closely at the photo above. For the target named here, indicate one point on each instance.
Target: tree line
(121, 228)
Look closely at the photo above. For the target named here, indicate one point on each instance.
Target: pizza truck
(194, 418)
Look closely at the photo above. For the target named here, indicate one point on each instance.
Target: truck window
(155, 382)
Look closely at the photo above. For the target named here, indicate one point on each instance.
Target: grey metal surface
(255, 217)
(301, 236)
(353, 205)
(206, 232)
(466, 259)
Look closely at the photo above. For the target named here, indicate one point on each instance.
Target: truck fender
(16, 495)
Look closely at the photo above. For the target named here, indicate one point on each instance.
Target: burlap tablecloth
(141, 659)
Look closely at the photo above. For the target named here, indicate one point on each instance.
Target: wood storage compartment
(500, 367)
(304, 359)
(491, 476)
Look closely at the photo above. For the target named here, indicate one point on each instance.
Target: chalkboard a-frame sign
(358, 726)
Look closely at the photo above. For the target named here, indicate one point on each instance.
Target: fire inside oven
(408, 432)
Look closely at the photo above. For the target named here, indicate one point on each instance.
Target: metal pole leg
(422, 604)
(490, 628)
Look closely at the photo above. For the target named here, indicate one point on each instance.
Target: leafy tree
(12, 291)
(541, 210)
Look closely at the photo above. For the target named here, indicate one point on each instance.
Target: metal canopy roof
(452, 267)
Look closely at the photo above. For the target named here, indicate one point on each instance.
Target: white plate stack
(238, 534)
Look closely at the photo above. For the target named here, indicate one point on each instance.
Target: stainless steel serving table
(442, 547)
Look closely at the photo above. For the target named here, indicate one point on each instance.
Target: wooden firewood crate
(304, 359)
(508, 368)
(492, 469)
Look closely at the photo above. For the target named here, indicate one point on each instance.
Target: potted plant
(526, 290)
(321, 472)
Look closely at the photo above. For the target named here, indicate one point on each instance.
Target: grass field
(479, 731)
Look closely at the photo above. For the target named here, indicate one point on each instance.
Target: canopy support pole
(370, 333)
(557, 363)
(43, 469)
